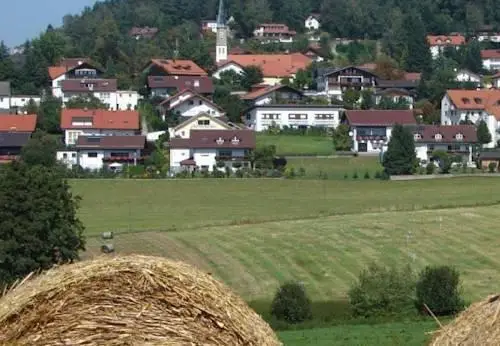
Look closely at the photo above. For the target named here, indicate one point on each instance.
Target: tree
(439, 288)
(38, 221)
(89, 101)
(251, 75)
(49, 114)
(367, 101)
(443, 159)
(291, 303)
(262, 156)
(416, 55)
(7, 70)
(483, 133)
(302, 79)
(341, 139)
(41, 150)
(350, 98)
(472, 60)
(387, 68)
(400, 157)
(232, 104)
(389, 103)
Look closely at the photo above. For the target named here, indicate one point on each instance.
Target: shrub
(290, 173)
(492, 167)
(439, 288)
(378, 175)
(429, 169)
(380, 290)
(346, 176)
(367, 175)
(237, 165)
(302, 172)
(220, 164)
(355, 175)
(291, 303)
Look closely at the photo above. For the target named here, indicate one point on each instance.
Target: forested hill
(101, 32)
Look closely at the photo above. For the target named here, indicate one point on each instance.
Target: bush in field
(291, 303)
(439, 288)
(355, 175)
(367, 175)
(430, 168)
(492, 167)
(382, 291)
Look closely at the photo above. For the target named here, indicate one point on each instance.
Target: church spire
(221, 18)
(221, 42)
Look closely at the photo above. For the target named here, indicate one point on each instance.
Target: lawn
(336, 168)
(391, 334)
(141, 205)
(297, 145)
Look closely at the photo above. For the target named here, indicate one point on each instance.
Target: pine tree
(472, 60)
(417, 56)
(400, 157)
(483, 134)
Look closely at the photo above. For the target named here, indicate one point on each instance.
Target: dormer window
(438, 136)
(459, 137)
(478, 100)
(417, 136)
(465, 100)
(235, 140)
(220, 141)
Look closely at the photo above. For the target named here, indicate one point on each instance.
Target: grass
(159, 205)
(297, 145)
(390, 334)
(336, 168)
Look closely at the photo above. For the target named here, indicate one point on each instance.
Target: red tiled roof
(188, 162)
(199, 84)
(490, 54)
(208, 139)
(17, 123)
(443, 40)
(412, 76)
(111, 142)
(483, 99)
(80, 85)
(56, 71)
(65, 65)
(100, 119)
(179, 67)
(380, 117)
(448, 133)
(272, 65)
(264, 91)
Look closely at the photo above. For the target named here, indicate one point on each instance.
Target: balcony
(232, 158)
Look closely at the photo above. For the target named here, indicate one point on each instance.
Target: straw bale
(477, 325)
(131, 300)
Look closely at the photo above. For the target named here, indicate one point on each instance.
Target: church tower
(221, 43)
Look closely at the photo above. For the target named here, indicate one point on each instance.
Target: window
(371, 131)
(73, 155)
(271, 116)
(65, 156)
(92, 155)
(200, 102)
(478, 100)
(431, 147)
(324, 116)
(204, 122)
(249, 117)
(225, 153)
(417, 136)
(297, 116)
(438, 137)
(465, 100)
(191, 102)
(119, 154)
(459, 136)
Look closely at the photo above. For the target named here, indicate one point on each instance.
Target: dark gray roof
(4, 88)
(485, 155)
(13, 139)
(399, 84)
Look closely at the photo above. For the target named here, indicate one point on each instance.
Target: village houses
(491, 59)
(438, 43)
(15, 132)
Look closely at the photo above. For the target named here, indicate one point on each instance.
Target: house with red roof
(453, 139)
(97, 122)
(438, 43)
(80, 77)
(165, 86)
(173, 67)
(371, 130)
(188, 103)
(274, 67)
(15, 132)
(205, 148)
(261, 95)
(491, 59)
(274, 32)
(473, 106)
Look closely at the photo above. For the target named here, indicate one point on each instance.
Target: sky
(26, 19)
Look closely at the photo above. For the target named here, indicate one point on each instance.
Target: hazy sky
(23, 19)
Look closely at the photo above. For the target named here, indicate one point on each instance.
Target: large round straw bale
(132, 300)
(478, 325)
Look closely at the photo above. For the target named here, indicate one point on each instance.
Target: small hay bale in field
(131, 300)
(478, 325)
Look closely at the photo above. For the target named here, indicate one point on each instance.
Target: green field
(336, 168)
(297, 145)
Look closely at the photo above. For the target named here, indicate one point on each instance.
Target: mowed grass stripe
(353, 241)
(149, 205)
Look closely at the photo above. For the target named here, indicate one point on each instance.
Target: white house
(97, 122)
(271, 32)
(262, 117)
(439, 43)
(199, 122)
(312, 22)
(453, 139)
(188, 104)
(472, 106)
(204, 148)
(20, 101)
(488, 36)
(371, 130)
(334, 81)
(273, 94)
(74, 68)
(95, 152)
(467, 76)
(127, 99)
(491, 59)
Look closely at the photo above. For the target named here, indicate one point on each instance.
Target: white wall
(184, 132)
(56, 86)
(259, 118)
(463, 76)
(68, 157)
(127, 99)
(205, 157)
(199, 106)
(178, 155)
(492, 38)
(312, 23)
(22, 101)
(491, 64)
(93, 163)
(71, 135)
(373, 146)
(422, 149)
(496, 83)
(4, 102)
(228, 67)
